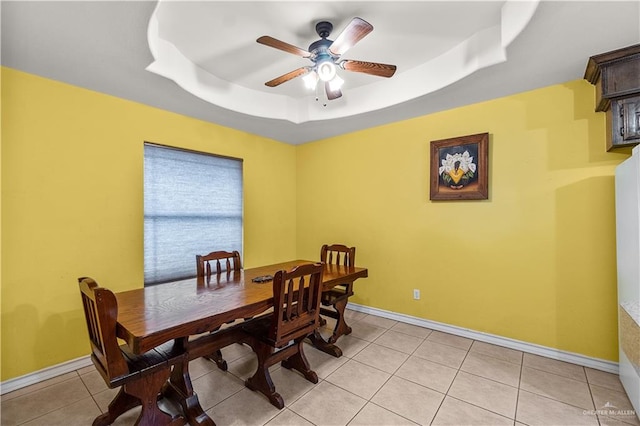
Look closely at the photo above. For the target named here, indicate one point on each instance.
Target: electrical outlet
(416, 294)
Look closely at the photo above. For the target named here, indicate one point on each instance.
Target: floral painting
(459, 168)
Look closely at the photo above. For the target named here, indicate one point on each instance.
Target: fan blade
(373, 68)
(353, 33)
(332, 94)
(281, 45)
(288, 76)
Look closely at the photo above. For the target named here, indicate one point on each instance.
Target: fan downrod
(324, 28)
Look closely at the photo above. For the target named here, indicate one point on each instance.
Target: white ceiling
(200, 58)
(210, 50)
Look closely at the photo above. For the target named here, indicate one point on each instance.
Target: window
(192, 205)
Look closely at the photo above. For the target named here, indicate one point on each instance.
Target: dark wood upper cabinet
(616, 75)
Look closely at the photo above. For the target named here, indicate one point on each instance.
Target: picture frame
(460, 168)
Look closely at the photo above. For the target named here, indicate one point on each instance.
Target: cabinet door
(631, 119)
(626, 121)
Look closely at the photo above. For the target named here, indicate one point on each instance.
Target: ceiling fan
(325, 55)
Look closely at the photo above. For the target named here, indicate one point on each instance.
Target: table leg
(341, 327)
(180, 389)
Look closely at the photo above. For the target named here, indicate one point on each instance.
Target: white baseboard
(44, 374)
(585, 361)
(595, 363)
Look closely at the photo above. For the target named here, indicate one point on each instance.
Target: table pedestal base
(341, 327)
(180, 390)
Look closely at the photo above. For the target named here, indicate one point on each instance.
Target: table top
(150, 316)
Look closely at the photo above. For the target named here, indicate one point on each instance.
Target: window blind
(192, 205)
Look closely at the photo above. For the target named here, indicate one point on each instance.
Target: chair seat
(258, 327)
(141, 365)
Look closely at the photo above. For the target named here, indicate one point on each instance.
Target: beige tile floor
(391, 373)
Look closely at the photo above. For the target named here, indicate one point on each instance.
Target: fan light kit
(325, 55)
(326, 70)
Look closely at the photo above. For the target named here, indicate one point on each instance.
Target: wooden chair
(231, 261)
(140, 377)
(337, 297)
(278, 336)
(204, 271)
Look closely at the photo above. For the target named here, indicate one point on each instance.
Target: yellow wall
(535, 262)
(0, 224)
(72, 205)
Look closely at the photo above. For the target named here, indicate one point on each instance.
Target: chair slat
(300, 306)
(289, 309)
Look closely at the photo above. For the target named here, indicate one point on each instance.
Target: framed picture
(459, 168)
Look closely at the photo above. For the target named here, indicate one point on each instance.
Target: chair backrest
(101, 313)
(230, 259)
(338, 254)
(296, 313)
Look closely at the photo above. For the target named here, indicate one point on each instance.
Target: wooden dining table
(192, 312)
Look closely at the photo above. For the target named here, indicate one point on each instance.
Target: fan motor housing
(320, 49)
(324, 28)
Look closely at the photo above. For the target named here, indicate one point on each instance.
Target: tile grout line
(391, 375)
(515, 412)
(451, 384)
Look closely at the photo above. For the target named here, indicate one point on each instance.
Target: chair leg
(298, 361)
(217, 358)
(122, 403)
(261, 379)
(147, 390)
